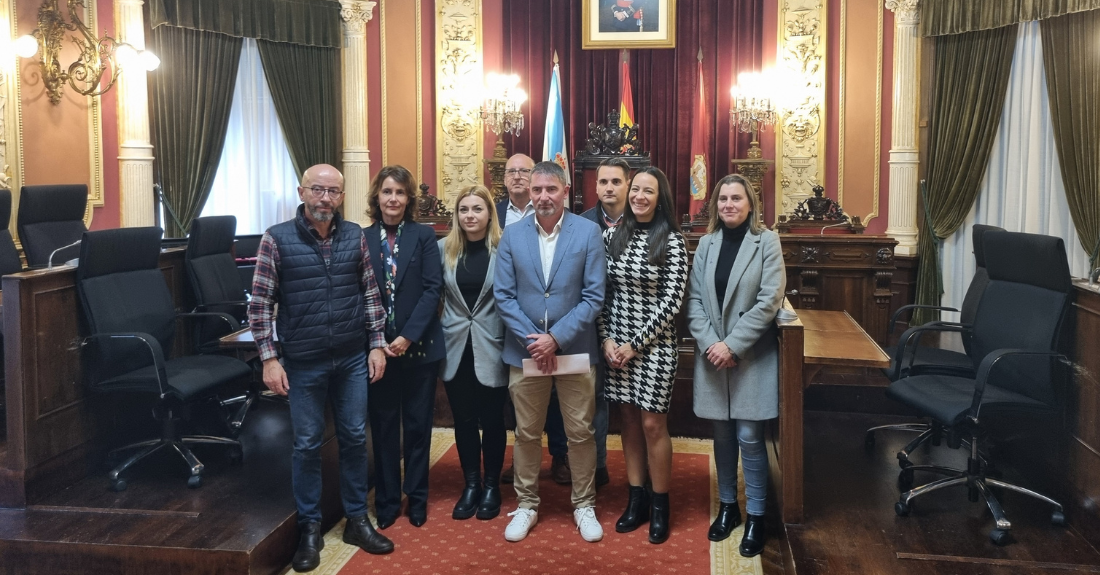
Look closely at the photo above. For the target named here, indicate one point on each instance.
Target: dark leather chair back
(50, 217)
(122, 289)
(969, 307)
(9, 256)
(212, 269)
(1025, 306)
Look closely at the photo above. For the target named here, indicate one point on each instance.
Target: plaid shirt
(265, 288)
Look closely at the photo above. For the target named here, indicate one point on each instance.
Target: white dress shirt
(515, 214)
(547, 242)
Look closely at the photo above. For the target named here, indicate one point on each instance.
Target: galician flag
(626, 103)
(553, 139)
(699, 136)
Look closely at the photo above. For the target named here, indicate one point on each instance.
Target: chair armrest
(894, 318)
(990, 360)
(234, 325)
(151, 344)
(914, 334)
(234, 303)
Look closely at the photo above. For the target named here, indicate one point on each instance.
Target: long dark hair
(663, 223)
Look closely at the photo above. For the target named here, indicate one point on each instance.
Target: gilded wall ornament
(458, 67)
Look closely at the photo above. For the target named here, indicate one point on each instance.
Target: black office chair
(1015, 339)
(9, 255)
(51, 218)
(215, 282)
(922, 359)
(131, 322)
(217, 287)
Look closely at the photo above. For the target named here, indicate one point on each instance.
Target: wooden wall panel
(402, 134)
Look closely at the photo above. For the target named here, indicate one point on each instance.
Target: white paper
(567, 365)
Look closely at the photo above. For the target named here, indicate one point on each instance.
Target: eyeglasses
(518, 173)
(319, 192)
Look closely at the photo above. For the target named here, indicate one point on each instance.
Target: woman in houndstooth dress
(646, 278)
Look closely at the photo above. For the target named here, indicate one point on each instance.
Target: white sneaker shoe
(587, 524)
(522, 522)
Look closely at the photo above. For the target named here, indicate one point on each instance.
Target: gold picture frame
(625, 24)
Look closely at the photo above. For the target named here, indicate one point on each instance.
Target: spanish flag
(626, 103)
(699, 137)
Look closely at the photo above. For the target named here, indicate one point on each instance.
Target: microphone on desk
(49, 262)
(844, 223)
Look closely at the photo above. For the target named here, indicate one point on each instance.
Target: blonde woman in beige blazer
(736, 288)
(475, 377)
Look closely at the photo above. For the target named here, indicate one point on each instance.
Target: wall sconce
(751, 108)
(99, 57)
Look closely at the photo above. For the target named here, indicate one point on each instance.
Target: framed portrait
(618, 24)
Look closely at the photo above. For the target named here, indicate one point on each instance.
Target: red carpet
(444, 545)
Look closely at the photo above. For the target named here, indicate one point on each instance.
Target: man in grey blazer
(549, 288)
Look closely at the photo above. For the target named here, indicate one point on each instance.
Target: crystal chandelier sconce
(99, 63)
(751, 108)
(500, 109)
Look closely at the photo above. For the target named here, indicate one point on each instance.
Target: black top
(471, 271)
(731, 244)
(643, 225)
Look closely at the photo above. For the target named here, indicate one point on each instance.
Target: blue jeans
(343, 380)
(749, 436)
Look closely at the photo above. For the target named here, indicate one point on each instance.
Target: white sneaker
(587, 524)
(522, 522)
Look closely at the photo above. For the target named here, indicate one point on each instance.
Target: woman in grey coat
(736, 288)
(473, 373)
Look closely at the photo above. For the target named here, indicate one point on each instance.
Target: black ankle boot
(729, 517)
(490, 499)
(752, 544)
(637, 510)
(658, 518)
(308, 556)
(471, 496)
(359, 532)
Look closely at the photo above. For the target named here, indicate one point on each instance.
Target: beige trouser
(577, 397)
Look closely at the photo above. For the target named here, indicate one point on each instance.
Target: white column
(904, 192)
(135, 160)
(356, 14)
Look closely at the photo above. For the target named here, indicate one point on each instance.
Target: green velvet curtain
(190, 97)
(942, 17)
(308, 22)
(1070, 47)
(305, 84)
(970, 80)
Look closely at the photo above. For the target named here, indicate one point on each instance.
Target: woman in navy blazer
(410, 277)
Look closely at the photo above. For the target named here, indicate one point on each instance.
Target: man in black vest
(317, 268)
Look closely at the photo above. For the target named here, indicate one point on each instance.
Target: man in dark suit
(517, 179)
(612, 184)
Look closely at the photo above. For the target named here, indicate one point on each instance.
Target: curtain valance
(306, 22)
(944, 17)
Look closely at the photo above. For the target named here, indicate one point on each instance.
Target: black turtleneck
(731, 244)
(643, 225)
(471, 270)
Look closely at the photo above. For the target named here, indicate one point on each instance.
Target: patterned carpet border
(724, 558)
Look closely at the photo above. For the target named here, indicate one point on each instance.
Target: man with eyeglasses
(317, 267)
(518, 205)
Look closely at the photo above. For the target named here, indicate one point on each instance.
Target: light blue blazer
(565, 304)
(481, 325)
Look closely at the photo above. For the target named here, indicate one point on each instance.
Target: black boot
(359, 532)
(658, 518)
(471, 496)
(308, 556)
(490, 499)
(637, 510)
(752, 544)
(729, 517)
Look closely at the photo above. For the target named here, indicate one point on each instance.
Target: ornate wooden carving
(431, 210)
(611, 139)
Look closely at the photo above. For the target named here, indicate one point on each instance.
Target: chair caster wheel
(1058, 518)
(902, 508)
(869, 441)
(999, 537)
(905, 480)
(118, 485)
(194, 482)
(235, 455)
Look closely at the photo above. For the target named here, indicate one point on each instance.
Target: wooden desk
(806, 344)
(240, 340)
